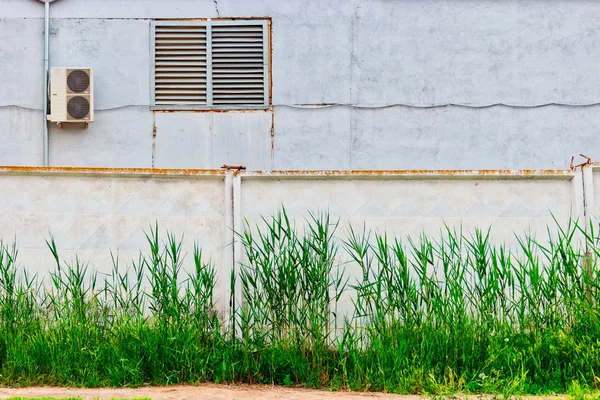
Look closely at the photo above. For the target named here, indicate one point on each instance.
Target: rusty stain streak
(272, 131)
(151, 172)
(270, 61)
(214, 110)
(233, 167)
(175, 172)
(499, 173)
(213, 19)
(154, 130)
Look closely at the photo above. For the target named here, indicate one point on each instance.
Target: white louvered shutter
(218, 64)
(180, 64)
(238, 64)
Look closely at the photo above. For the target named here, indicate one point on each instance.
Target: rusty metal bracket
(583, 164)
(233, 167)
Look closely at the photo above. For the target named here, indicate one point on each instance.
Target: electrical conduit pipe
(46, 73)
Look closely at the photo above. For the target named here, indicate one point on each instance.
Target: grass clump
(441, 315)
(81, 332)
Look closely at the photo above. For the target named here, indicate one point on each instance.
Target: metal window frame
(209, 89)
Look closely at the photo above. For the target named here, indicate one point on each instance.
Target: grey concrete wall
(94, 217)
(91, 212)
(412, 84)
(407, 206)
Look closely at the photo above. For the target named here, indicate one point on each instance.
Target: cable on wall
(365, 106)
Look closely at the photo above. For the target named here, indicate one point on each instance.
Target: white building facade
(352, 84)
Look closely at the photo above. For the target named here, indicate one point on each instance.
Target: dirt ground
(221, 392)
(205, 392)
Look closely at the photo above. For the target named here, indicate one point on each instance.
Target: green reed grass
(429, 314)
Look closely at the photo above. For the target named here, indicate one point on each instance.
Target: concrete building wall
(410, 206)
(93, 212)
(95, 217)
(360, 84)
(404, 207)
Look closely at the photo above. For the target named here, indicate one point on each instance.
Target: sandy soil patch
(205, 392)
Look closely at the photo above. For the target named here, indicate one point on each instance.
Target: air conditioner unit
(71, 95)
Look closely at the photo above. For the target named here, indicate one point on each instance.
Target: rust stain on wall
(214, 19)
(208, 110)
(150, 172)
(154, 130)
(498, 173)
(175, 172)
(270, 61)
(272, 132)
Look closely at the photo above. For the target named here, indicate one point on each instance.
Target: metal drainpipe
(46, 70)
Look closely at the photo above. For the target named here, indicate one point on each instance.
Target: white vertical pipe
(588, 193)
(46, 68)
(578, 205)
(587, 181)
(224, 293)
(237, 245)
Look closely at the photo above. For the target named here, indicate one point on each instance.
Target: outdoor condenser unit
(71, 95)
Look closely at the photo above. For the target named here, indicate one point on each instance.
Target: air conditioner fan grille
(78, 107)
(78, 81)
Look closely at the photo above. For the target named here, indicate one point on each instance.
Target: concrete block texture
(21, 139)
(406, 207)
(93, 216)
(119, 138)
(209, 140)
(97, 218)
(513, 84)
(439, 138)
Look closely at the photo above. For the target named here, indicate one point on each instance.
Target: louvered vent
(238, 65)
(211, 64)
(180, 64)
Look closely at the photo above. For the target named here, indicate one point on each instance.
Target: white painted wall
(397, 56)
(408, 207)
(405, 207)
(90, 215)
(93, 212)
